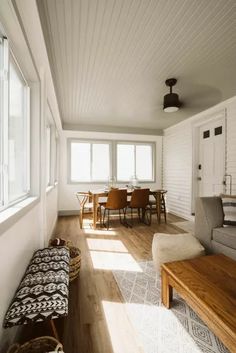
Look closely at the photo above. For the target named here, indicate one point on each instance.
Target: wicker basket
(42, 344)
(75, 262)
(75, 256)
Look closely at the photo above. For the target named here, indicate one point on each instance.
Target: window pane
(80, 161)
(144, 162)
(17, 143)
(125, 162)
(48, 154)
(101, 162)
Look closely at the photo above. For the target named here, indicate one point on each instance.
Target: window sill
(12, 214)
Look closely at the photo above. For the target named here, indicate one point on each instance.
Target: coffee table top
(211, 283)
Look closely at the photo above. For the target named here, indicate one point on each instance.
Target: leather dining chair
(116, 201)
(140, 201)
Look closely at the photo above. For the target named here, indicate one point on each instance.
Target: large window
(97, 161)
(14, 123)
(135, 160)
(89, 161)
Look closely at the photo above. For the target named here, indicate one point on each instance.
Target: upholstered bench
(174, 247)
(43, 291)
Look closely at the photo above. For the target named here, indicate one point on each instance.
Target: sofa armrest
(208, 215)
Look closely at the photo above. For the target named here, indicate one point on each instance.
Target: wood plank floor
(97, 320)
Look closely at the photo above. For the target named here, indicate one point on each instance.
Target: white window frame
(113, 159)
(4, 116)
(91, 142)
(137, 143)
(53, 149)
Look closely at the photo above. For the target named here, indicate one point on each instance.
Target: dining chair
(140, 201)
(153, 204)
(116, 201)
(85, 202)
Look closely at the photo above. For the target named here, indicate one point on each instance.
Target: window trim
(8, 56)
(113, 159)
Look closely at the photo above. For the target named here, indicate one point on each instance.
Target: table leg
(95, 210)
(166, 289)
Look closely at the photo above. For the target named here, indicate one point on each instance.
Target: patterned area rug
(160, 330)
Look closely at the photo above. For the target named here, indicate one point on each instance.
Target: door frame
(205, 119)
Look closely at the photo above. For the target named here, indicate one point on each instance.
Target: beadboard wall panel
(177, 168)
(178, 152)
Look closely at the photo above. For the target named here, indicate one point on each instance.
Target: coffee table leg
(166, 289)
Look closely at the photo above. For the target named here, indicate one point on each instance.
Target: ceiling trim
(113, 129)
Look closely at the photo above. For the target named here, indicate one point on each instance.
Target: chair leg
(104, 215)
(139, 215)
(100, 215)
(120, 217)
(81, 212)
(108, 218)
(164, 207)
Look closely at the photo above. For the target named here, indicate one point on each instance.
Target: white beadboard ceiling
(110, 59)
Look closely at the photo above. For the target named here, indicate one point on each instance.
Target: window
(135, 160)
(98, 161)
(89, 161)
(14, 122)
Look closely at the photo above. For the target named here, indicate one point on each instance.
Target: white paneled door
(211, 165)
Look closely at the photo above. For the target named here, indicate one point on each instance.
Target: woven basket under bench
(42, 344)
(75, 256)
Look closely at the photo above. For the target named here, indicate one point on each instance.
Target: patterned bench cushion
(43, 291)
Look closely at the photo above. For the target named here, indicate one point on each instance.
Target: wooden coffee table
(208, 285)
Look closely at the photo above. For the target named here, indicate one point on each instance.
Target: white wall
(67, 199)
(178, 157)
(51, 211)
(29, 229)
(17, 245)
(177, 168)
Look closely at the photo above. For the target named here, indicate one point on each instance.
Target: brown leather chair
(140, 201)
(116, 200)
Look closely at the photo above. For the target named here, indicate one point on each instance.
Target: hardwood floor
(97, 320)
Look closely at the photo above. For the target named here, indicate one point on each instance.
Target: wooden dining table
(96, 194)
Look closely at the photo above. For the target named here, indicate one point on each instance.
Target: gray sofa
(209, 228)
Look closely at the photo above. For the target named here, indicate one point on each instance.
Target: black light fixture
(171, 100)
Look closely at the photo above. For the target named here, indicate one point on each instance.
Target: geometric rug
(159, 330)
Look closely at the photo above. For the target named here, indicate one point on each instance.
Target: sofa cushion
(229, 208)
(225, 236)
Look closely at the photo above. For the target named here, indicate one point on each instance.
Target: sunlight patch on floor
(114, 261)
(106, 245)
(152, 328)
(100, 232)
(159, 329)
(122, 334)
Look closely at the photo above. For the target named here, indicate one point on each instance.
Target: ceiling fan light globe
(171, 109)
